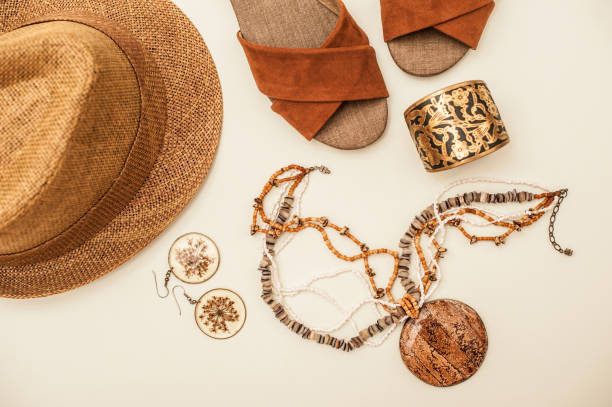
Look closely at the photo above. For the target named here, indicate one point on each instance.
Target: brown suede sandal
(428, 37)
(316, 64)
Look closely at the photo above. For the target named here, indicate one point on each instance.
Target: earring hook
(176, 299)
(157, 287)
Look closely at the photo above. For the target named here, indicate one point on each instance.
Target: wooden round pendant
(446, 345)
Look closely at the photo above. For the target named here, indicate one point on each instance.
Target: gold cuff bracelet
(456, 125)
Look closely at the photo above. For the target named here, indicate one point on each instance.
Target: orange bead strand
(320, 224)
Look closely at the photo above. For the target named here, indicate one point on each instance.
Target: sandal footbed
(427, 52)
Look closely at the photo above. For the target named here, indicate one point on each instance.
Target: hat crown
(72, 113)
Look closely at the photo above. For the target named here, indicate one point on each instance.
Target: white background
(547, 62)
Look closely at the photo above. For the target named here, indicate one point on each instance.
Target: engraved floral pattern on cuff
(456, 125)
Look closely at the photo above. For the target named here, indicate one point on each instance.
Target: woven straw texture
(193, 127)
(68, 70)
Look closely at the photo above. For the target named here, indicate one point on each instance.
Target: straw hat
(111, 115)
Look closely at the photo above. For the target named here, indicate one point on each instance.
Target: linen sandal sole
(427, 52)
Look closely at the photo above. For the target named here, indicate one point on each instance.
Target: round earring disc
(194, 258)
(446, 345)
(220, 313)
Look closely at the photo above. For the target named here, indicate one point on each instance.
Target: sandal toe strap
(463, 20)
(308, 85)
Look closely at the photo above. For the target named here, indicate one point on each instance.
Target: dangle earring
(193, 258)
(219, 313)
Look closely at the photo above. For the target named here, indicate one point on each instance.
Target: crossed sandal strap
(308, 85)
(463, 20)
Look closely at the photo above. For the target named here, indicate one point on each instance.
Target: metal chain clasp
(551, 228)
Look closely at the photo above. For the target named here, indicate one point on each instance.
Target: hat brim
(194, 121)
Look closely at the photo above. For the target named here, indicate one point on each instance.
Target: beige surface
(114, 343)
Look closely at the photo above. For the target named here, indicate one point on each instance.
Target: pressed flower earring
(219, 313)
(194, 259)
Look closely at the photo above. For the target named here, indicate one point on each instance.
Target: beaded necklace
(426, 232)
